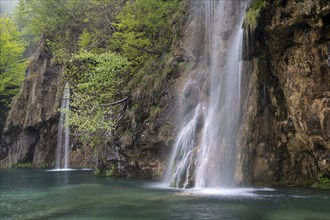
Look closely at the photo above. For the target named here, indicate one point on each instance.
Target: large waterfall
(62, 149)
(204, 153)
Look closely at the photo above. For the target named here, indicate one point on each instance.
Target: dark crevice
(32, 137)
(284, 3)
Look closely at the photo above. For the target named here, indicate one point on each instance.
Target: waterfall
(204, 153)
(62, 149)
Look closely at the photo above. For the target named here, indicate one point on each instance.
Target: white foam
(69, 169)
(62, 170)
(229, 191)
(213, 191)
(86, 169)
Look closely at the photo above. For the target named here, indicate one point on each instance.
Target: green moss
(97, 172)
(154, 111)
(253, 13)
(284, 183)
(111, 171)
(322, 183)
(22, 165)
(31, 165)
(106, 168)
(46, 165)
(167, 128)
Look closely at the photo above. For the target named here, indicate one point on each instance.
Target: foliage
(12, 64)
(253, 13)
(23, 165)
(95, 80)
(142, 30)
(63, 21)
(54, 19)
(112, 171)
(31, 165)
(322, 183)
(145, 33)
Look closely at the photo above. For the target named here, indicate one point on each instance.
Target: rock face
(31, 128)
(286, 133)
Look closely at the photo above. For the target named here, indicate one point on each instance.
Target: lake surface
(39, 194)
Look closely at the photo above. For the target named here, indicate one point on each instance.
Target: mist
(8, 6)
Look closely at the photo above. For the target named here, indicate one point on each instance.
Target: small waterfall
(62, 149)
(204, 154)
(184, 153)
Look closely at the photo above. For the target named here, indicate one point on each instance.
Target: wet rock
(326, 123)
(262, 167)
(295, 40)
(191, 96)
(226, 34)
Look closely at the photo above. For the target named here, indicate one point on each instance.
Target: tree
(63, 21)
(95, 80)
(142, 29)
(12, 64)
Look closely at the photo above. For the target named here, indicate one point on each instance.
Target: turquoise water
(38, 194)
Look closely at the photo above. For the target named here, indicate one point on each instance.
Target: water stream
(204, 154)
(63, 147)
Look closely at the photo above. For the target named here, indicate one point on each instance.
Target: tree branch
(109, 104)
(117, 102)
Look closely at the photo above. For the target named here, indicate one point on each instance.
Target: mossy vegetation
(22, 165)
(154, 111)
(322, 183)
(284, 183)
(31, 165)
(253, 13)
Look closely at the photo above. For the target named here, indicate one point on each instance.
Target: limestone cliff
(31, 127)
(287, 131)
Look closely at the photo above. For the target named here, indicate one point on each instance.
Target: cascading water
(62, 149)
(204, 153)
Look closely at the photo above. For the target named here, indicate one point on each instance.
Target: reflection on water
(36, 194)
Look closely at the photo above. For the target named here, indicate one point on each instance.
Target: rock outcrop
(286, 133)
(31, 127)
